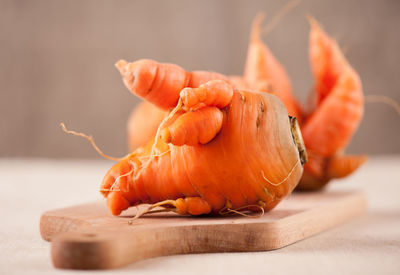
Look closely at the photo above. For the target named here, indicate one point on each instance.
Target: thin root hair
(226, 211)
(282, 181)
(91, 140)
(383, 99)
(271, 25)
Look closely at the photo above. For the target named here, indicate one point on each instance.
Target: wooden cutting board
(89, 237)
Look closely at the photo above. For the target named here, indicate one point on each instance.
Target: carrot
(329, 127)
(146, 78)
(140, 130)
(338, 109)
(243, 155)
(213, 93)
(160, 83)
(262, 67)
(201, 125)
(339, 96)
(192, 128)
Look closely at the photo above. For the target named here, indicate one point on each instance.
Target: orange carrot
(206, 95)
(200, 126)
(340, 99)
(338, 112)
(338, 109)
(339, 103)
(142, 124)
(160, 83)
(148, 79)
(262, 66)
(249, 161)
(342, 166)
(192, 128)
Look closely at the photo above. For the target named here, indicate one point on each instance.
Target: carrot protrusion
(160, 83)
(192, 206)
(193, 128)
(214, 93)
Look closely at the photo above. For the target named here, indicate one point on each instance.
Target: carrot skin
(160, 83)
(262, 66)
(192, 206)
(340, 98)
(343, 166)
(213, 93)
(221, 172)
(193, 128)
(337, 114)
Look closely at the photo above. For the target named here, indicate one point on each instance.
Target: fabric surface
(369, 244)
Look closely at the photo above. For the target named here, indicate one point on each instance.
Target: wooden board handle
(102, 249)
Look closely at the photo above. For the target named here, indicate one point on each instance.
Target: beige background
(56, 62)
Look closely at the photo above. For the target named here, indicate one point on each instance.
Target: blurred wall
(57, 62)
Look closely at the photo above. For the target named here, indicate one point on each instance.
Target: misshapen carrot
(329, 127)
(263, 68)
(253, 160)
(338, 109)
(340, 100)
(338, 112)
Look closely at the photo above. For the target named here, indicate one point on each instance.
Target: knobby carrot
(331, 123)
(241, 154)
(338, 111)
(146, 78)
(263, 68)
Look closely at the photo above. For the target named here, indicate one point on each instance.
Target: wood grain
(88, 237)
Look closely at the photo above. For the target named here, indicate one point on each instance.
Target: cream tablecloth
(369, 244)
